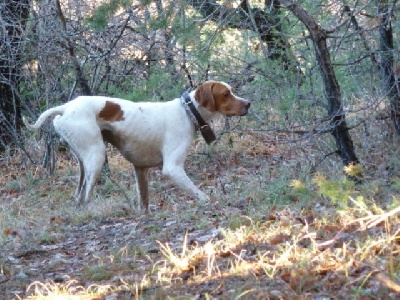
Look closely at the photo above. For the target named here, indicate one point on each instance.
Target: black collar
(203, 126)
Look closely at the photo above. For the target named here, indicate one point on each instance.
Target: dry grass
(277, 227)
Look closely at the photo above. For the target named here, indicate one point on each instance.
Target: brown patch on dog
(111, 112)
(204, 96)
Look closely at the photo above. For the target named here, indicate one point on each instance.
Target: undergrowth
(276, 227)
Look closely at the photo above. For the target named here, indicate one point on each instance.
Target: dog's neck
(199, 116)
(204, 113)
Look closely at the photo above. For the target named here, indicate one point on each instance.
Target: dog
(146, 134)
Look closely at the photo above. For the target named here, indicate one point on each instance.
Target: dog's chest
(140, 151)
(142, 154)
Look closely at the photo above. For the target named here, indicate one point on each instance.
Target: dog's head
(217, 96)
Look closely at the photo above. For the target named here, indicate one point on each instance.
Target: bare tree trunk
(389, 81)
(13, 17)
(332, 89)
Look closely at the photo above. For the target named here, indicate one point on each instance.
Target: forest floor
(267, 232)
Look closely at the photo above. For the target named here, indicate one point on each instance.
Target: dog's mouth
(236, 115)
(242, 111)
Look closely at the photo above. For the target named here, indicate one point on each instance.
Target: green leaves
(338, 191)
(100, 16)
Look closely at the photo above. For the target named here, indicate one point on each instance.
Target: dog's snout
(245, 107)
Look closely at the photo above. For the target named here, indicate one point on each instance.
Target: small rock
(153, 250)
(21, 275)
(213, 233)
(111, 297)
(60, 278)
(12, 259)
(275, 295)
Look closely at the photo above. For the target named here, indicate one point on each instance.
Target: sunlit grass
(70, 290)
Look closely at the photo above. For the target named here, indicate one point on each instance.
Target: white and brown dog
(146, 134)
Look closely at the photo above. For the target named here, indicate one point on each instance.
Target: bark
(338, 123)
(13, 17)
(389, 80)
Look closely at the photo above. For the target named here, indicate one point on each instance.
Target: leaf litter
(232, 247)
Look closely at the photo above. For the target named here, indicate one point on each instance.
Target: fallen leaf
(279, 238)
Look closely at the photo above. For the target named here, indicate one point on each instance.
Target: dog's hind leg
(80, 187)
(142, 187)
(93, 160)
(87, 143)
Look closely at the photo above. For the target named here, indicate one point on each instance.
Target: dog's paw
(203, 198)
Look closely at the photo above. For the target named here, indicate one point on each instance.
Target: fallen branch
(382, 278)
(372, 221)
(389, 283)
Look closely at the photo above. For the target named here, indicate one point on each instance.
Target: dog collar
(203, 126)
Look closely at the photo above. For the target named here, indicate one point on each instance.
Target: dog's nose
(247, 105)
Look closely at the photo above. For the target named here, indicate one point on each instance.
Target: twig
(389, 283)
(372, 221)
(383, 278)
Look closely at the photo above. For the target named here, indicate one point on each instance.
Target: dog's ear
(204, 96)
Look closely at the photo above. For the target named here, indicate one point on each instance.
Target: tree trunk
(332, 89)
(389, 82)
(13, 16)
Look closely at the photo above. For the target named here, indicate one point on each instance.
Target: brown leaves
(10, 231)
(279, 239)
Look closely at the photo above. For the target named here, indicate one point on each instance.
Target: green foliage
(98, 273)
(278, 194)
(338, 191)
(396, 184)
(300, 190)
(160, 86)
(354, 170)
(99, 18)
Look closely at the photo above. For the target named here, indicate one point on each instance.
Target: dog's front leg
(142, 187)
(179, 177)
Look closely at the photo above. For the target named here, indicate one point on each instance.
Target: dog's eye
(226, 94)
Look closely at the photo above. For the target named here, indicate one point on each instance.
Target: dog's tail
(58, 110)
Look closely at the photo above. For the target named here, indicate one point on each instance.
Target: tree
(389, 80)
(336, 114)
(265, 22)
(13, 17)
